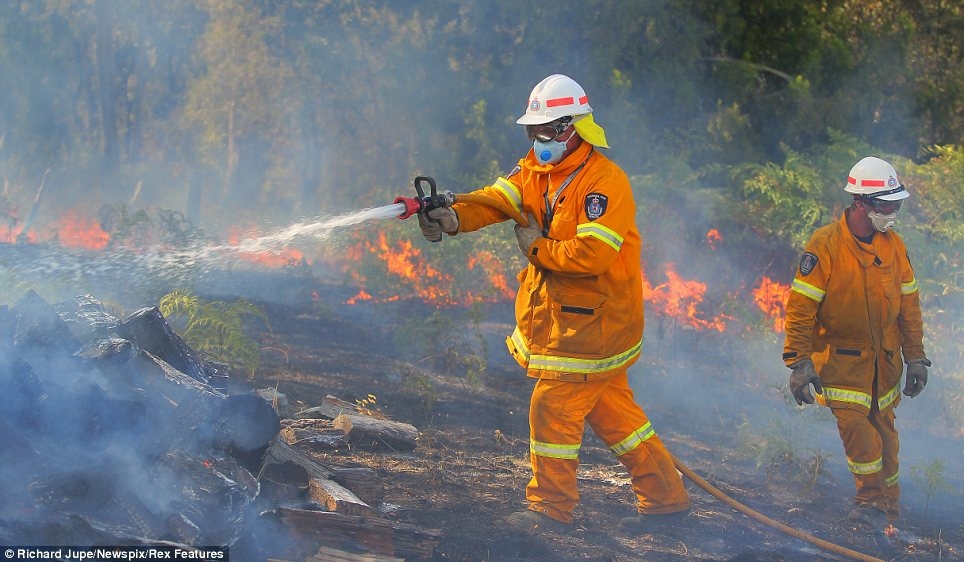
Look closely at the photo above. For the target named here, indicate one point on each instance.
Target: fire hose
(434, 200)
(716, 493)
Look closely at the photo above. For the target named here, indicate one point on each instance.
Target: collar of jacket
(867, 254)
(567, 165)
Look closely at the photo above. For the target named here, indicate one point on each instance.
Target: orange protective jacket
(579, 309)
(851, 306)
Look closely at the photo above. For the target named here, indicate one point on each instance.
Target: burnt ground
(471, 464)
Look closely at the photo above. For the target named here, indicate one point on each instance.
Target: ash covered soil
(470, 467)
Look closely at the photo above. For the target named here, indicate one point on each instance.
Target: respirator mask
(546, 145)
(884, 214)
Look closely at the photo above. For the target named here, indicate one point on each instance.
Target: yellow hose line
(716, 493)
(495, 203)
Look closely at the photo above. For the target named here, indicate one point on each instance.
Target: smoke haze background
(253, 116)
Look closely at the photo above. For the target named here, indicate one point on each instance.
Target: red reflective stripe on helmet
(583, 100)
(559, 101)
(866, 183)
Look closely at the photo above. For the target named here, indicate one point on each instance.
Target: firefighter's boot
(533, 521)
(868, 516)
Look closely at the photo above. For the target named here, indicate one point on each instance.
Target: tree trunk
(231, 156)
(104, 53)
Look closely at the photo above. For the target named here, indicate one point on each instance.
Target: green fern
(216, 327)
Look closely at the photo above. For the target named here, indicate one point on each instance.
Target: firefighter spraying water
(579, 310)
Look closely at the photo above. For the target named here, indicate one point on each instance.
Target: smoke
(104, 443)
(320, 148)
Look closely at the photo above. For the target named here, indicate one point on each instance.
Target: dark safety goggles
(884, 207)
(548, 131)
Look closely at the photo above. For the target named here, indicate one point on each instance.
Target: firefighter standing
(579, 309)
(853, 321)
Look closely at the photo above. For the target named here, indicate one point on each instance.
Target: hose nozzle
(424, 202)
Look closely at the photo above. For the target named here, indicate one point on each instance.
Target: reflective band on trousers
(634, 440)
(573, 364)
(866, 467)
(554, 450)
(808, 290)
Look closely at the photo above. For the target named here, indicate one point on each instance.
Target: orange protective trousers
(868, 438)
(558, 411)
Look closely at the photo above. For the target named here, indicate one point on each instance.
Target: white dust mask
(882, 223)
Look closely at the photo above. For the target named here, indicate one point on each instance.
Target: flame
(420, 280)
(10, 237)
(771, 297)
(495, 272)
(404, 261)
(76, 231)
(361, 296)
(680, 299)
(713, 238)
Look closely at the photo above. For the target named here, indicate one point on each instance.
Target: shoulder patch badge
(596, 205)
(807, 262)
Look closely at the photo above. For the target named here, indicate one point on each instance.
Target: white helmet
(556, 96)
(873, 178)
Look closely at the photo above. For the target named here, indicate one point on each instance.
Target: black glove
(916, 377)
(804, 374)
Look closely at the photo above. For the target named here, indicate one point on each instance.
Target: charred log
(336, 497)
(376, 535)
(151, 332)
(367, 431)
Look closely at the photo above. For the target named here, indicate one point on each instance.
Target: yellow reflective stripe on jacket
(554, 450)
(843, 395)
(808, 290)
(889, 398)
(573, 364)
(520, 343)
(634, 440)
(892, 481)
(511, 193)
(866, 467)
(910, 287)
(600, 232)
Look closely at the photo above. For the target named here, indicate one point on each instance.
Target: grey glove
(436, 221)
(446, 218)
(804, 374)
(528, 235)
(431, 230)
(916, 377)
